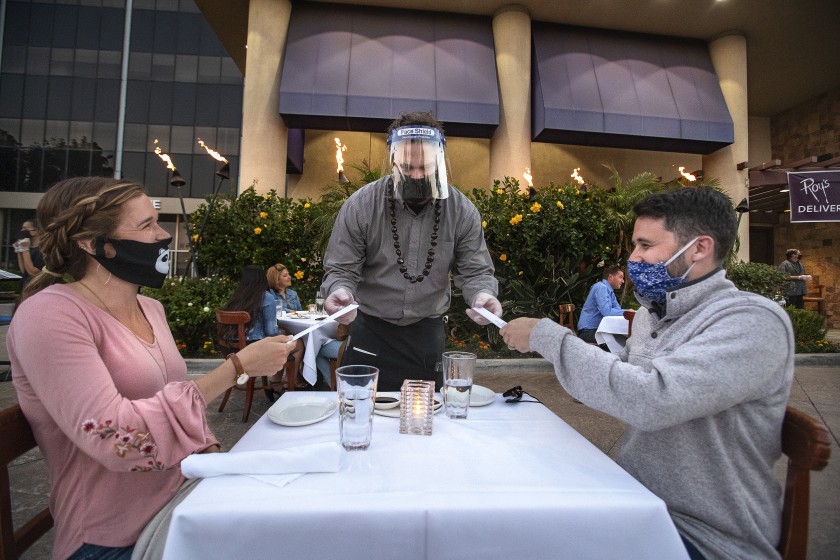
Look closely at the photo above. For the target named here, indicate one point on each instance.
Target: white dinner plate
(301, 412)
(481, 396)
(387, 405)
(395, 412)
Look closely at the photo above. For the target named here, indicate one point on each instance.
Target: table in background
(511, 481)
(612, 331)
(313, 340)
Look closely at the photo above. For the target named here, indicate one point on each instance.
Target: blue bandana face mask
(652, 280)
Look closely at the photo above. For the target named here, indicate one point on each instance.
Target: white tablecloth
(511, 481)
(612, 331)
(313, 341)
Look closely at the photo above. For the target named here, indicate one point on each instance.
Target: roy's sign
(814, 196)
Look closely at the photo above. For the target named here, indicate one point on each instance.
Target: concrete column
(729, 57)
(510, 147)
(264, 134)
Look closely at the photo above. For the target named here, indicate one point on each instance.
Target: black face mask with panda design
(146, 264)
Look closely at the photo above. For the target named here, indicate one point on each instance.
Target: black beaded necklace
(432, 244)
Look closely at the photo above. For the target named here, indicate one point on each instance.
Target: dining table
(612, 331)
(513, 480)
(293, 324)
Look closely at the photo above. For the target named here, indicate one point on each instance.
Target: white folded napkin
(316, 457)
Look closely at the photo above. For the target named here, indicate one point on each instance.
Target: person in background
(253, 295)
(393, 247)
(29, 257)
(279, 281)
(795, 270)
(601, 302)
(702, 383)
(110, 404)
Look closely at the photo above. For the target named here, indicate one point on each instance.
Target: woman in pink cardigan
(97, 372)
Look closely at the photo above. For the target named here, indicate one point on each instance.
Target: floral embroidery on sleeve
(126, 440)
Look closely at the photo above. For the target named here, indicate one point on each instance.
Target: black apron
(400, 352)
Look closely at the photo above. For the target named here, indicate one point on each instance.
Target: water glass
(458, 372)
(319, 303)
(356, 396)
(312, 309)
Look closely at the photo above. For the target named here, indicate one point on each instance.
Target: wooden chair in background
(629, 314)
(816, 295)
(226, 344)
(17, 438)
(567, 316)
(343, 334)
(807, 444)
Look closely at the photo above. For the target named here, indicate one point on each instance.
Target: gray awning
(357, 68)
(603, 88)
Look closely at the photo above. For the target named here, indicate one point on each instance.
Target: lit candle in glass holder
(417, 407)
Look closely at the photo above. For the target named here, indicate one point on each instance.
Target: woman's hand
(267, 356)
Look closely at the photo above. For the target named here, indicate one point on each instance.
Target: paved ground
(816, 390)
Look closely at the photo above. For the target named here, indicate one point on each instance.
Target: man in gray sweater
(702, 384)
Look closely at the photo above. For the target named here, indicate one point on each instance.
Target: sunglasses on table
(515, 394)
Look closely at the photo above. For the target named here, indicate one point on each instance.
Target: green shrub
(807, 325)
(190, 310)
(759, 278)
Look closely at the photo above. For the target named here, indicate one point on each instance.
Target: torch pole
(223, 174)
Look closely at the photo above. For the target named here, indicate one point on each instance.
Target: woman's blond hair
(273, 274)
(74, 209)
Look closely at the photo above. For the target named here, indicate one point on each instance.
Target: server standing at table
(702, 383)
(394, 245)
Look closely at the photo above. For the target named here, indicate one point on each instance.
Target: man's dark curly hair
(422, 118)
(692, 211)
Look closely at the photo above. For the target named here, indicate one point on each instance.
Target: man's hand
(517, 333)
(337, 300)
(488, 302)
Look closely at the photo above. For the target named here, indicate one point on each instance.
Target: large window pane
(208, 135)
(35, 97)
(163, 67)
(189, 33)
(38, 60)
(81, 133)
(166, 32)
(32, 132)
(135, 137)
(113, 24)
(85, 64)
(55, 166)
(230, 72)
(159, 132)
(78, 163)
(183, 104)
(140, 66)
(9, 165)
(142, 23)
(58, 102)
(186, 68)
(182, 140)
(207, 105)
(87, 32)
(61, 62)
(107, 100)
(84, 99)
(133, 166)
(64, 34)
(110, 63)
(137, 101)
(17, 34)
(209, 69)
(56, 132)
(14, 59)
(160, 105)
(230, 106)
(228, 139)
(40, 25)
(105, 135)
(9, 132)
(11, 95)
(156, 177)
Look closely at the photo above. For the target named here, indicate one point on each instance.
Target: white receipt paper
(490, 317)
(330, 319)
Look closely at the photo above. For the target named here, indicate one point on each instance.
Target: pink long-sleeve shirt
(113, 415)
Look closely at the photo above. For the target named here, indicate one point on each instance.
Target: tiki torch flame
(339, 159)
(216, 155)
(576, 176)
(688, 176)
(164, 157)
(527, 176)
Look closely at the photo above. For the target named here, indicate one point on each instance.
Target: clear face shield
(418, 164)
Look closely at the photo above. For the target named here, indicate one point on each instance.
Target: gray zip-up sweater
(703, 391)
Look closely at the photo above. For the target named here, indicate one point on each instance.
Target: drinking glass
(312, 309)
(319, 303)
(356, 395)
(458, 372)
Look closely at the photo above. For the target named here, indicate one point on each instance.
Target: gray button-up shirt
(361, 255)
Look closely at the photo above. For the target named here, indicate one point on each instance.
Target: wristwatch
(241, 376)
